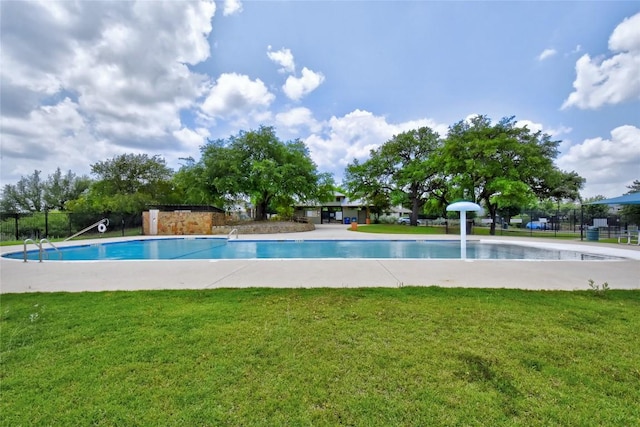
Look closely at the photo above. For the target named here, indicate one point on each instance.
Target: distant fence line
(37, 225)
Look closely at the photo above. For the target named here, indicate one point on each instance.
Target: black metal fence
(52, 225)
(574, 221)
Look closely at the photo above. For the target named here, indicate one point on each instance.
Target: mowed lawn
(321, 357)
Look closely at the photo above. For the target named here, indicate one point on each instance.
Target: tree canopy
(33, 194)
(127, 183)
(258, 166)
(404, 169)
(503, 164)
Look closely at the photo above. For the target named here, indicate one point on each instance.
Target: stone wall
(184, 223)
(188, 223)
(266, 227)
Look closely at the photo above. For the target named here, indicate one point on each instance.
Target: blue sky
(85, 81)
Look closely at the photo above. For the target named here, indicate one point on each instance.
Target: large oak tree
(503, 164)
(127, 183)
(258, 166)
(404, 168)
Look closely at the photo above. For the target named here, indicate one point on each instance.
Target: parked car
(536, 225)
(405, 220)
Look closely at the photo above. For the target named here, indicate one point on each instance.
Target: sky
(85, 81)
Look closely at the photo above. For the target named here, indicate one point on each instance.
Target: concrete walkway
(76, 276)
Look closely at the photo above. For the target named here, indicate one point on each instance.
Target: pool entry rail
(102, 227)
(40, 249)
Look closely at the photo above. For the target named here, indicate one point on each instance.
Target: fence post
(46, 222)
(581, 222)
(17, 231)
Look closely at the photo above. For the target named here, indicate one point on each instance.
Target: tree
(561, 186)
(32, 194)
(258, 166)
(190, 186)
(131, 174)
(594, 211)
(498, 164)
(364, 184)
(25, 196)
(402, 168)
(127, 183)
(59, 189)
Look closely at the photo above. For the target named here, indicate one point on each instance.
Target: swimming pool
(221, 248)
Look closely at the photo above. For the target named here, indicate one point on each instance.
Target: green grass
(406, 356)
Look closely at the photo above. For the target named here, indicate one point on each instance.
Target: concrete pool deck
(77, 276)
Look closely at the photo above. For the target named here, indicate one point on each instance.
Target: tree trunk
(261, 208)
(415, 206)
(261, 211)
(493, 210)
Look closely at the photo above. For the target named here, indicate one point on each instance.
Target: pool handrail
(50, 244)
(25, 248)
(104, 221)
(39, 245)
(235, 230)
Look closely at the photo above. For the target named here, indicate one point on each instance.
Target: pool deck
(77, 276)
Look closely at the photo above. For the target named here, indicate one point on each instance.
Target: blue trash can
(347, 220)
(593, 234)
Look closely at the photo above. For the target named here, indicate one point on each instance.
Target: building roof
(627, 199)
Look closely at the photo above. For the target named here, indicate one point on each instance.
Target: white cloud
(609, 165)
(614, 80)
(547, 53)
(57, 132)
(284, 58)
(353, 136)
(192, 138)
(296, 118)
(297, 87)
(536, 127)
(626, 36)
(231, 7)
(119, 70)
(235, 95)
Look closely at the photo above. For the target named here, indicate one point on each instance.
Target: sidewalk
(76, 276)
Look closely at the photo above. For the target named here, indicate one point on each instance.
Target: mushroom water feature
(463, 207)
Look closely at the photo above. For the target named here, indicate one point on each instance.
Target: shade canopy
(463, 207)
(627, 199)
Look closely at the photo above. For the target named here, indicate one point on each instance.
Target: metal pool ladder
(235, 230)
(40, 250)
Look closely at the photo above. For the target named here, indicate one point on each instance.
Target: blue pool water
(218, 248)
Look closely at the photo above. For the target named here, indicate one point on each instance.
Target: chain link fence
(54, 225)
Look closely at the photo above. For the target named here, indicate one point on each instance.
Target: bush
(387, 219)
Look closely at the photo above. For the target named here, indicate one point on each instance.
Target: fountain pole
(463, 207)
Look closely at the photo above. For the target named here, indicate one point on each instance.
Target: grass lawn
(322, 357)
